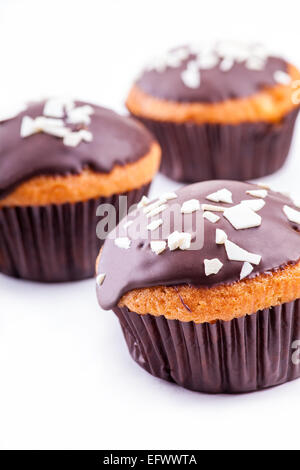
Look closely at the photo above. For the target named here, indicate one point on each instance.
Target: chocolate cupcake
(206, 285)
(59, 161)
(221, 112)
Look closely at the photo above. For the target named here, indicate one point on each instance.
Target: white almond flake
(246, 270)
(188, 207)
(54, 108)
(221, 237)
(100, 279)
(282, 78)
(260, 193)
(234, 49)
(72, 139)
(173, 61)
(212, 207)
(226, 64)
(263, 185)
(158, 246)
(213, 218)
(223, 195)
(143, 202)
(242, 217)
(180, 240)
(186, 241)
(235, 253)
(123, 242)
(168, 197)
(80, 115)
(212, 266)
(255, 63)
(154, 205)
(254, 204)
(292, 214)
(86, 135)
(154, 225)
(157, 211)
(127, 224)
(28, 127)
(191, 77)
(11, 112)
(207, 61)
(56, 131)
(42, 122)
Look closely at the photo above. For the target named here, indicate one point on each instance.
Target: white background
(66, 379)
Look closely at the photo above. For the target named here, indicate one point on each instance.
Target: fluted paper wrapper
(199, 152)
(54, 243)
(243, 355)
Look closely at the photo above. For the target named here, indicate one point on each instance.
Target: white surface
(67, 380)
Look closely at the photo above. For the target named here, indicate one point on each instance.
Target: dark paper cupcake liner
(199, 152)
(54, 243)
(246, 354)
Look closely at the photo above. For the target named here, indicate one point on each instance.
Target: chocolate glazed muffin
(221, 112)
(213, 306)
(60, 160)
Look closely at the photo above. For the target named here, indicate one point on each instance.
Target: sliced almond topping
(123, 242)
(54, 108)
(157, 211)
(254, 204)
(143, 202)
(100, 279)
(154, 225)
(255, 63)
(223, 195)
(180, 240)
(282, 78)
(168, 196)
(86, 135)
(191, 77)
(260, 193)
(56, 131)
(152, 206)
(242, 217)
(188, 207)
(72, 139)
(28, 127)
(80, 115)
(226, 64)
(212, 266)
(235, 253)
(212, 207)
(292, 214)
(213, 218)
(221, 237)
(246, 270)
(158, 246)
(263, 185)
(42, 122)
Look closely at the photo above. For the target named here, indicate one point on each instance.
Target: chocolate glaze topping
(215, 85)
(116, 140)
(277, 240)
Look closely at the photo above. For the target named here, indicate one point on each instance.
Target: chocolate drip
(276, 240)
(117, 140)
